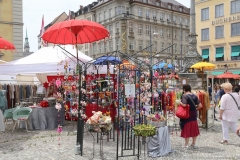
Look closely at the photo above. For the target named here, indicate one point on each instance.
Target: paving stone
(44, 144)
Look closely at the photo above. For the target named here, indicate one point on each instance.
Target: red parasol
(4, 44)
(75, 32)
(228, 75)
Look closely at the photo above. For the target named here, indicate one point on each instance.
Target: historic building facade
(218, 29)
(11, 27)
(134, 25)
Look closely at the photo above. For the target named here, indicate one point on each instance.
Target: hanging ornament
(46, 85)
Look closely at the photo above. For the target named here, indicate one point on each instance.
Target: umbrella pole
(80, 124)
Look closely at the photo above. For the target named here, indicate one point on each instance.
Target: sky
(33, 10)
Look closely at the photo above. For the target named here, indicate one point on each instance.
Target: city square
(119, 79)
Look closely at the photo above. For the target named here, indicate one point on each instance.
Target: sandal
(194, 146)
(185, 146)
(224, 142)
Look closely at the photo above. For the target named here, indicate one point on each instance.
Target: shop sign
(232, 65)
(225, 20)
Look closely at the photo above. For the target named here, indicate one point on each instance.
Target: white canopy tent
(48, 61)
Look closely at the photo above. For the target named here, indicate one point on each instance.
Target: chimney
(81, 6)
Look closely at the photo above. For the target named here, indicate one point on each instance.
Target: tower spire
(26, 43)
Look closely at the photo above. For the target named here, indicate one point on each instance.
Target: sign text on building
(225, 20)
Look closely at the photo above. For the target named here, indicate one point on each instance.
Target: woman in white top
(229, 113)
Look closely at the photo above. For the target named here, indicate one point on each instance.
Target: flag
(42, 31)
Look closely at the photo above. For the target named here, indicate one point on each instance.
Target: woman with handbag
(229, 111)
(189, 126)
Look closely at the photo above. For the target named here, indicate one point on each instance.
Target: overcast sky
(33, 10)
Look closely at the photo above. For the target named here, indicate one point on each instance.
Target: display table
(159, 145)
(45, 118)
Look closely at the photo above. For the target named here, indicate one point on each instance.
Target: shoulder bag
(183, 112)
(235, 101)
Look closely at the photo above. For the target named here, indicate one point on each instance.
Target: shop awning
(235, 72)
(205, 56)
(234, 54)
(217, 73)
(219, 55)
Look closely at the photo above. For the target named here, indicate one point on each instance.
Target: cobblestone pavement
(43, 145)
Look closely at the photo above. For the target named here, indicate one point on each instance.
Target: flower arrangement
(156, 120)
(99, 122)
(144, 130)
(44, 104)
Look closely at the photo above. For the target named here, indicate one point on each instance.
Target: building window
(219, 54)
(235, 52)
(140, 45)
(219, 31)
(186, 36)
(105, 47)
(169, 48)
(174, 18)
(111, 30)
(235, 29)
(205, 34)
(105, 15)
(175, 48)
(140, 28)
(131, 45)
(130, 27)
(162, 48)
(154, 29)
(86, 46)
(180, 9)
(235, 6)
(117, 27)
(94, 48)
(180, 20)
(147, 29)
(154, 15)
(119, 10)
(175, 34)
(100, 17)
(110, 13)
(168, 18)
(100, 47)
(117, 44)
(205, 14)
(154, 47)
(140, 12)
(205, 54)
(161, 32)
(147, 13)
(110, 46)
(162, 16)
(186, 22)
(219, 10)
(148, 45)
(168, 33)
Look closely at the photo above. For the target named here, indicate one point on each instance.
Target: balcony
(131, 35)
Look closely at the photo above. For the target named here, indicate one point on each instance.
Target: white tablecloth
(159, 145)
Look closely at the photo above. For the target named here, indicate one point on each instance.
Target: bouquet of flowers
(156, 120)
(44, 104)
(99, 122)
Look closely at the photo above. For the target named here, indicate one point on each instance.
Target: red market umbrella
(75, 32)
(228, 75)
(4, 44)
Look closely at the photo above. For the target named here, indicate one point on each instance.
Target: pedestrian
(210, 91)
(236, 90)
(189, 126)
(229, 113)
(216, 99)
(238, 131)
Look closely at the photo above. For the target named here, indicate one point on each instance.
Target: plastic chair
(21, 114)
(8, 114)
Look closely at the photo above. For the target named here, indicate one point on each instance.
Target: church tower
(26, 44)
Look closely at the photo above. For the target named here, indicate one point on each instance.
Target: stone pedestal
(194, 80)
